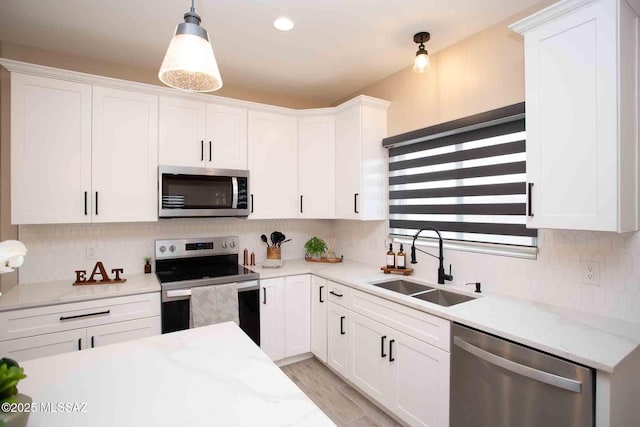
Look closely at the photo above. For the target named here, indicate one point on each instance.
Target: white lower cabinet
(337, 335)
(396, 355)
(319, 318)
(285, 316)
(44, 345)
(418, 381)
(46, 331)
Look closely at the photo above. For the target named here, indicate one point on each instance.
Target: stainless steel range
(182, 264)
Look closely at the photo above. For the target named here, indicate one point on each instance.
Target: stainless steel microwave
(202, 192)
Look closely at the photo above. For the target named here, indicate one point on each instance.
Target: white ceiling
(336, 48)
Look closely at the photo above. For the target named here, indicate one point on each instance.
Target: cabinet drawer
(44, 345)
(338, 294)
(63, 317)
(423, 326)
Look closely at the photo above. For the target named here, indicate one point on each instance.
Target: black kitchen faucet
(442, 276)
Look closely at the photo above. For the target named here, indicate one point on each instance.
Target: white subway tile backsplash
(56, 251)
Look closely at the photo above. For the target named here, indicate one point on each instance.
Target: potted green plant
(147, 265)
(12, 404)
(315, 247)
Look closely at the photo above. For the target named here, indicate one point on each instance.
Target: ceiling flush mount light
(421, 63)
(283, 24)
(189, 63)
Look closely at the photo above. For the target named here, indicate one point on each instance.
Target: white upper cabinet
(182, 132)
(194, 133)
(273, 164)
(226, 137)
(124, 156)
(50, 150)
(360, 159)
(581, 74)
(316, 166)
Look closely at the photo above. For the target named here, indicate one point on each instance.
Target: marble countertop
(28, 295)
(593, 341)
(214, 375)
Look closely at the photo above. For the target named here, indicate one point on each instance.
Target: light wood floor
(343, 404)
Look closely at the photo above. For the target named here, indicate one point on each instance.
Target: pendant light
(421, 63)
(189, 63)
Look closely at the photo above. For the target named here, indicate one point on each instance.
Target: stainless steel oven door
(176, 309)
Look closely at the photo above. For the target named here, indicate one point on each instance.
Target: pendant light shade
(421, 62)
(189, 63)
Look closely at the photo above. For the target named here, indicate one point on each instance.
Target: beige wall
(102, 68)
(477, 74)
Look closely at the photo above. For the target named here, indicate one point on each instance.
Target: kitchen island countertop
(214, 375)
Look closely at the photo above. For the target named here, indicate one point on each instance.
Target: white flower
(12, 253)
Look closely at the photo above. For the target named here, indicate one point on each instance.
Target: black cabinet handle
(301, 203)
(355, 203)
(530, 212)
(92, 342)
(342, 332)
(264, 295)
(382, 338)
(391, 359)
(333, 293)
(320, 291)
(79, 343)
(96, 203)
(210, 151)
(202, 151)
(78, 316)
(86, 212)
(252, 203)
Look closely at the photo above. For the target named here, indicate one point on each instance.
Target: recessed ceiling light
(283, 24)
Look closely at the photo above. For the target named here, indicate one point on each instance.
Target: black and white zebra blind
(466, 178)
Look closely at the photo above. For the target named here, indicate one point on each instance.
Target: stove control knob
(232, 244)
(162, 249)
(172, 248)
(224, 245)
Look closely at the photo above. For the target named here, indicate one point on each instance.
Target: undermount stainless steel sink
(443, 298)
(423, 292)
(403, 287)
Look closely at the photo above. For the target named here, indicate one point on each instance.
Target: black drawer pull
(79, 343)
(252, 203)
(202, 151)
(338, 295)
(301, 203)
(210, 151)
(264, 295)
(382, 338)
(320, 292)
(529, 197)
(342, 332)
(355, 202)
(92, 342)
(85, 203)
(391, 359)
(96, 203)
(77, 316)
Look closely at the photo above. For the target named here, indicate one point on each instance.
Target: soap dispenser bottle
(391, 257)
(401, 258)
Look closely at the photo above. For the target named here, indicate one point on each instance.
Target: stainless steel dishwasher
(496, 383)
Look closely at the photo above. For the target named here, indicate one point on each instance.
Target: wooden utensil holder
(273, 253)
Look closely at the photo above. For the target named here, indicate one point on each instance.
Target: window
(466, 178)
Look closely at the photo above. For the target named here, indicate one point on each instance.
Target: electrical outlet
(591, 273)
(91, 253)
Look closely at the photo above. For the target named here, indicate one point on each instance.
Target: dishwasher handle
(525, 371)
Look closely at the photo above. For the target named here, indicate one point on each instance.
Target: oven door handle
(179, 293)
